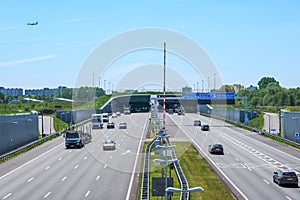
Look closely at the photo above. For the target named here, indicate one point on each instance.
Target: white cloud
(16, 62)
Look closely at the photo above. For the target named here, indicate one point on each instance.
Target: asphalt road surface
(248, 164)
(86, 173)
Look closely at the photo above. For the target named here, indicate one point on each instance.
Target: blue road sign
(297, 136)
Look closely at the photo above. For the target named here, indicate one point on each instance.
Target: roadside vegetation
(197, 172)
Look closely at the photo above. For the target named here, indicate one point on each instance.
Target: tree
(2, 97)
(227, 88)
(265, 81)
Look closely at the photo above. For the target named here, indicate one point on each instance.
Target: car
(216, 148)
(285, 177)
(109, 145)
(123, 125)
(118, 113)
(110, 125)
(205, 127)
(114, 115)
(197, 123)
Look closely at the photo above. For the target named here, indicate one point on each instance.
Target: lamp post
(165, 164)
(43, 122)
(194, 189)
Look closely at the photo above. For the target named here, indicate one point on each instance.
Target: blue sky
(246, 40)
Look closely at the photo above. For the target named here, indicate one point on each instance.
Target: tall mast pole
(164, 103)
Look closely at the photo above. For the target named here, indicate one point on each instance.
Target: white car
(114, 115)
(118, 113)
(109, 145)
(123, 125)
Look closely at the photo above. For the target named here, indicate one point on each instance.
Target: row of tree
(268, 93)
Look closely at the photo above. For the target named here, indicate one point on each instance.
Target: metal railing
(146, 173)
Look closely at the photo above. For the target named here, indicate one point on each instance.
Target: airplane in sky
(33, 24)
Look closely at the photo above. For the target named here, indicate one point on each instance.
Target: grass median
(197, 172)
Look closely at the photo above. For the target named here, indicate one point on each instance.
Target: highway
(87, 173)
(247, 164)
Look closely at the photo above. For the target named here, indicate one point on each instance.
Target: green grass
(197, 172)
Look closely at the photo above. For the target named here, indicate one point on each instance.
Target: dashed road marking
(85, 158)
(76, 167)
(59, 158)
(29, 180)
(267, 182)
(46, 168)
(6, 196)
(105, 166)
(289, 198)
(97, 178)
(47, 195)
(63, 179)
(87, 194)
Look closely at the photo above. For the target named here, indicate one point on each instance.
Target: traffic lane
(28, 178)
(274, 155)
(232, 164)
(271, 155)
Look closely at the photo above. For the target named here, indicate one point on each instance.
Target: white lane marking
(105, 166)
(237, 159)
(230, 181)
(29, 180)
(76, 167)
(6, 196)
(128, 151)
(289, 198)
(87, 194)
(47, 195)
(110, 157)
(47, 167)
(135, 162)
(30, 161)
(59, 158)
(97, 178)
(85, 158)
(267, 182)
(63, 179)
(92, 150)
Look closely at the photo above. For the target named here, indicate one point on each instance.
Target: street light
(194, 189)
(166, 163)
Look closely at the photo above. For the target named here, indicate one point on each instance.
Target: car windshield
(289, 173)
(72, 135)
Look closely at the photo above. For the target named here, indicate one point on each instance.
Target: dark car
(110, 125)
(205, 127)
(285, 177)
(197, 123)
(216, 149)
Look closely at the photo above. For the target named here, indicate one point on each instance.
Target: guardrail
(35, 143)
(182, 179)
(146, 173)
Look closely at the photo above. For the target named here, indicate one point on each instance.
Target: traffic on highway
(96, 171)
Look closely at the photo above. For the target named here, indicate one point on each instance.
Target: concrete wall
(17, 130)
(290, 123)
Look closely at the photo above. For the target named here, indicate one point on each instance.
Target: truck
(77, 139)
(127, 111)
(97, 121)
(105, 117)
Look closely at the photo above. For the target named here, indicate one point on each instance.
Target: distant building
(41, 92)
(251, 88)
(187, 90)
(15, 92)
